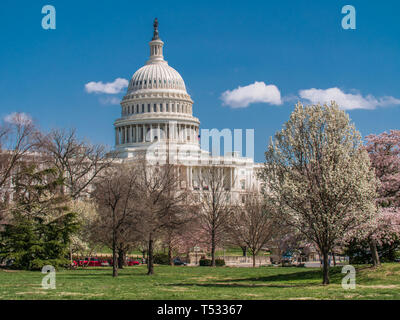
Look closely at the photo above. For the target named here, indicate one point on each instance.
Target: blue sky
(215, 45)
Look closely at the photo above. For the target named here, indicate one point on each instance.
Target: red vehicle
(83, 262)
(94, 262)
(132, 262)
(91, 262)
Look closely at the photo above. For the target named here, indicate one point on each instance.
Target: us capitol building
(157, 121)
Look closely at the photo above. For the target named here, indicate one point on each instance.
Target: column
(231, 172)
(136, 134)
(191, 177)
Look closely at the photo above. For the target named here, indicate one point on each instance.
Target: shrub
(207, 262)
(219, 262)
(161, 258)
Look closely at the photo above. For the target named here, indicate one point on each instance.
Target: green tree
(41, 224)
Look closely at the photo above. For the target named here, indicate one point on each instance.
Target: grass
(202, 283)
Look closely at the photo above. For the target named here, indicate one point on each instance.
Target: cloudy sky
(245, 63)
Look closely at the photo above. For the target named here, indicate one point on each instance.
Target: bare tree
(78, 161)
(162, 203)
(215, 204)
(115, 195)
(17, 139)
(252, 224)
(177, 238)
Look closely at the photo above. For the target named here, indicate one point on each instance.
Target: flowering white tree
(319, 176)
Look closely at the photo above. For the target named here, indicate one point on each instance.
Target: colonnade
(195, 177)
(157, 108)
(150, 132)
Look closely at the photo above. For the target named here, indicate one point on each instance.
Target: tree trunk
(213, 249)
(171, 262)
(334, 259)
(121, 258)
(114, 246)
(374, 253)
(254, 260)
(114, 252)
(150, 266)
(325, 255)
(244, 250)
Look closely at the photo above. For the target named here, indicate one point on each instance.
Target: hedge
(207, 262)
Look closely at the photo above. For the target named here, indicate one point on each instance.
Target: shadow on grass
(237, 285)
(290, 277)
(282, 280)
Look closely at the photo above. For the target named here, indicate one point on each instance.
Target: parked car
(94, 262)
(105, 263)
(179, 262)
(91, 262)
(9, 263)
(133, 262)
(83, 262)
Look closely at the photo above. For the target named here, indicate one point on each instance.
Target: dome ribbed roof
(156, 76)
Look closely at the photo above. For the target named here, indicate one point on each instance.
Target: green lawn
(202, 283)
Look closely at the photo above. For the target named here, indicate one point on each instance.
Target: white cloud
(109, 100)
(258, 92)
(18, 118)
(347, 101)
(110, 87)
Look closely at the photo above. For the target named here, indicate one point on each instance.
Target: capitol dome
(156, 75)
(156, 106)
